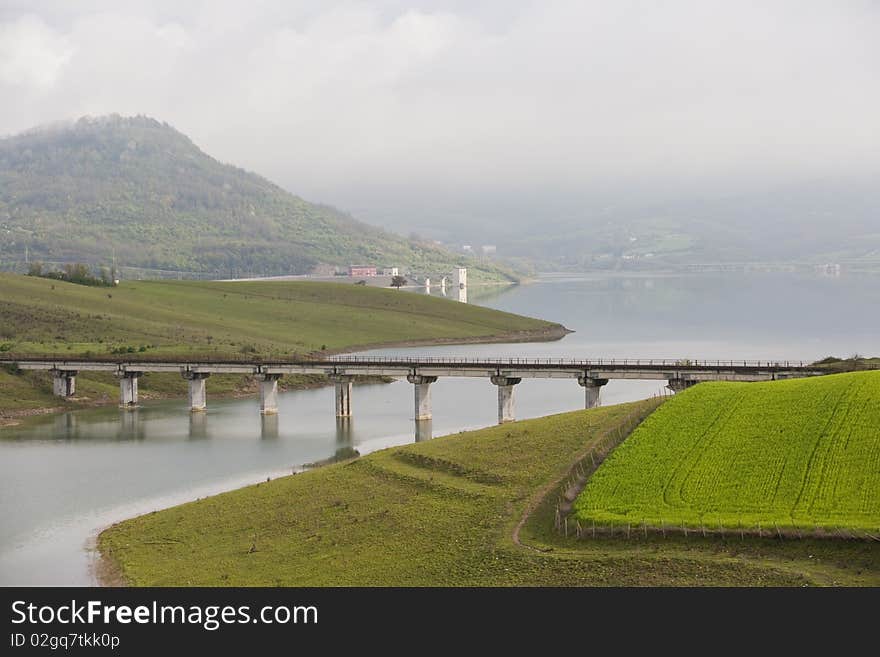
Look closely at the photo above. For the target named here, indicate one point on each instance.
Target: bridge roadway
(504, 373)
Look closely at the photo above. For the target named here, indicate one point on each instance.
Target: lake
(64, 477)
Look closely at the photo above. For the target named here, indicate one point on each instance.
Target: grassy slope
(799, 453)
(439, 512)
(189, 317)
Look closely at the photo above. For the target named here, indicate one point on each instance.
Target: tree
(398, 281)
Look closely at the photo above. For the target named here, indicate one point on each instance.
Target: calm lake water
(62, 478)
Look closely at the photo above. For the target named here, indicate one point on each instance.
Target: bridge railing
(574, 362)
(417, 361)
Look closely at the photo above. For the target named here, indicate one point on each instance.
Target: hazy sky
(339, 101)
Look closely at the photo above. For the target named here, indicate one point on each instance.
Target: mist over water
(64, 477)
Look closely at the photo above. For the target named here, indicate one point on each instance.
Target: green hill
(140, 189)
(433, 513)
(443, 512)
(265, 317)
(789, 454)
(162, 318)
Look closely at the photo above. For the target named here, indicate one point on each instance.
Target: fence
(587, 463)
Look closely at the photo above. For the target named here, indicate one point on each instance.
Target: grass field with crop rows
(790, 454)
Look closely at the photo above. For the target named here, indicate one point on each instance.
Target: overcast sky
(340, 100)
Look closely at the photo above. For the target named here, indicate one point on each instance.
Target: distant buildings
(488, 249)
(362, 270)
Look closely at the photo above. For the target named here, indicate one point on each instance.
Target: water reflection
(344, 448)
(269, 426)
(345, 439)
(65, 425)
(344, 432)
(130, 425)
(198, 425)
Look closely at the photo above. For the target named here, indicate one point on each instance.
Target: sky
(402, 105)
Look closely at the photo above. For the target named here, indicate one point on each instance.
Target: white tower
(459, 277)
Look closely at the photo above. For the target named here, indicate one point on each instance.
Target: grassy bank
(442, 512)
(190, 318)
(798, 454)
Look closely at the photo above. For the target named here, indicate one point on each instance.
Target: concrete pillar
(422, 387)
(197, 397)
(128, 390)
(343, 394)
(63, 383)
(678, 385)
(424, 430)
(269, 393)
(428, 286)
(505, 397)
(592, 386)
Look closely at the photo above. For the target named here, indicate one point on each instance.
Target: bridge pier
(269, 393)
(422, 387)
(678, 385)
(128, 390)
(64, 383)
(343, 394)
(423, 430)
(197, 397)
(592, 387)
(505, 397)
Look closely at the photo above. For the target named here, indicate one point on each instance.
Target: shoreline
(14, 417)
(107, 572)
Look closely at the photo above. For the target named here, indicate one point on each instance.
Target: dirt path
(579, 472)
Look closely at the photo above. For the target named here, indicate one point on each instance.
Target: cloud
(329, 97)
(32, 55)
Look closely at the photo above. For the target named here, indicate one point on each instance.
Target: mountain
(138, 190)
(823, 220)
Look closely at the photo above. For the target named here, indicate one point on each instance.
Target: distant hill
(815, 222)
(140, 189)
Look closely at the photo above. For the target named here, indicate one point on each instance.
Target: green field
(442, 512)
(799, 454)
(156, 319)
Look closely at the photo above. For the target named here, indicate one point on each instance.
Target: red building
(361, 270)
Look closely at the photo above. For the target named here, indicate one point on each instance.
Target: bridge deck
(397, 366)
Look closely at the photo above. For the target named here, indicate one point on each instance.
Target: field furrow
(799, 454)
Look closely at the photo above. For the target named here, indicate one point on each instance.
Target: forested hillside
(140, 189)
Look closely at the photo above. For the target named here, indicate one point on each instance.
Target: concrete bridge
(505, 374)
